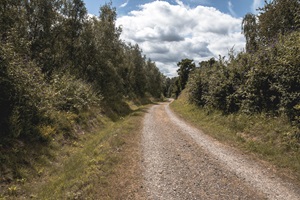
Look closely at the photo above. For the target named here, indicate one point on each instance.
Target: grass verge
(82, 169)
(271, 139)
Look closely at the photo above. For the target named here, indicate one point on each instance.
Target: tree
(104, 72)
(55, 60)
(154, 79)
(185, 67)
(208, 63)
(139, 72)
(109, 35)
(249, 29)
(278, 17)
(73, 24)
(11, 13)
(41, 16)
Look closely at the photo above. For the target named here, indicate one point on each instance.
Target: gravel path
(180, 162)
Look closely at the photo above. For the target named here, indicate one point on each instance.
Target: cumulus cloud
(168, 33)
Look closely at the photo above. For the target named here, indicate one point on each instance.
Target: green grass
(271, 139)
(80, 169)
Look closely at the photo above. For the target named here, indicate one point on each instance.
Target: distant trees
(185, 67)
(156, 81)
(170, 87)
(174, 86)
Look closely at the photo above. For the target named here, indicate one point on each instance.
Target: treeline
(57, 62)
(264, 79)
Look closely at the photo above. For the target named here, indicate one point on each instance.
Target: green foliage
(62, 73)
(56, 63)
(287, 74)
(208, 84)
(266, 78)
(41, 15)
(249, 28)
(155, 80)
(185, 67)
(170, 87)
(264, 81)
(24, 85)
(278, 17)
(30, 103)
(72, 95)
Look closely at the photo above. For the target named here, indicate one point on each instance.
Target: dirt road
(180, 162)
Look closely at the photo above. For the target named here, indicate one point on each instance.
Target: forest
(265, 78)
(63, 74)
(57, 62)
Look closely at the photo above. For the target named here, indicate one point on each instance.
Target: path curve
(181, 162)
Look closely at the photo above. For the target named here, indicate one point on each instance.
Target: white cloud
(124, 4)
(168, 33)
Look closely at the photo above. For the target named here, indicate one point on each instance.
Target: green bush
(267, 81)
(72, 94)
(23, 100)
(34, 108)
(286, 70)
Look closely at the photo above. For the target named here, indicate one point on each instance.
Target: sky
(170, 30)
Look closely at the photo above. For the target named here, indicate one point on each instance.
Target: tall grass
(81, 168)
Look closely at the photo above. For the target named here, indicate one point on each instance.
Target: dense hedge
(265, 81)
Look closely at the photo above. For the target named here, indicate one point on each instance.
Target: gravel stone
(181, 162)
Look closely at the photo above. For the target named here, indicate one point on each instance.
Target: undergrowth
(271, 138)
(78, 168)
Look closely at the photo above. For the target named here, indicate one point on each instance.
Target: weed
(80, 168)
(12, 190)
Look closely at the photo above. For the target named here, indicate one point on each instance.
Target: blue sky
(238, 8)
(170, 30)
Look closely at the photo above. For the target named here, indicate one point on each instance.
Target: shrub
(72, 94)
(23, 87)
(266, 81)
(31, 106)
